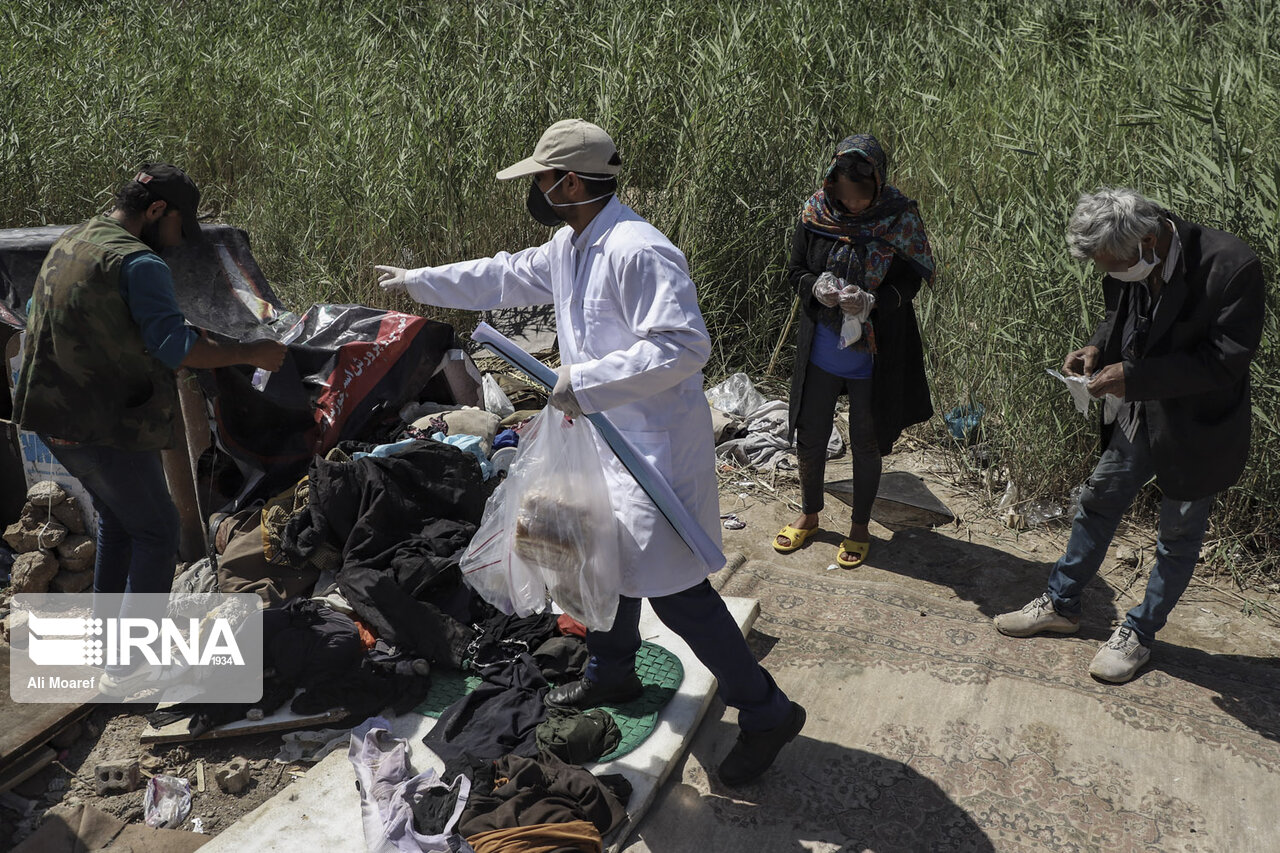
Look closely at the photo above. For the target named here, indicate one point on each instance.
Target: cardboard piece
(903, 501)
(85, 829)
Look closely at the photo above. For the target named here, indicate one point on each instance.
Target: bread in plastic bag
(549, 528)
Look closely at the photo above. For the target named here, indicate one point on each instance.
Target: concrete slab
(322, 810)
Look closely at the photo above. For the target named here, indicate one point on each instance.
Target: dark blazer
(899, 388)
(1194, 374)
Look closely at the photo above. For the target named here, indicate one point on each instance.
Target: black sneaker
(585, 693)
(754, 753)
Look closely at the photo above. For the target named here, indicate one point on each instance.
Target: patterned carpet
(929, 731)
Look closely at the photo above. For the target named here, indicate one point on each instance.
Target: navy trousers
(699, 616)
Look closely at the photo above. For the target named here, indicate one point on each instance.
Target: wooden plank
(27, 726)
(32, 764)
(176, 732)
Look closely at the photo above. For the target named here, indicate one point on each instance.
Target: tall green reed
(340, 135)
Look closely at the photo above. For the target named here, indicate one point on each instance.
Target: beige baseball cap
(572, 145)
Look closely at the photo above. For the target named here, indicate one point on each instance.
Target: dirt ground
(1209, 616)
(110, 733)
(1212, 615)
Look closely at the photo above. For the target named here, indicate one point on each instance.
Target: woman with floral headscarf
(858, 257)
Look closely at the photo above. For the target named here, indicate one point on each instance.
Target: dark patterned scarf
(866, 242)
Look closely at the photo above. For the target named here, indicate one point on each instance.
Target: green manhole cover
(660, 672)
(447, 687)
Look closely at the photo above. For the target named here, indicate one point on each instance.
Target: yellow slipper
(796, 535)
(857, 549)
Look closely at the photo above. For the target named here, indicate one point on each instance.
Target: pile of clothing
(511, 803)
(753, 431)
(513, 775)
(357, 565)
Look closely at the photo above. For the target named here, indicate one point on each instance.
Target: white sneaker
(1036, 616)
(146, 677)
(1120, 657)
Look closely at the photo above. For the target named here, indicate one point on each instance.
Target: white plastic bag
(1078, 386)
(549, 528)
(736, 396)
(850, 331)
(167, 802)
(851, 324)
(495, 399)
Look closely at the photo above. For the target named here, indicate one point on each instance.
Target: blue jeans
(137, 521)
(699, 616)
(1125, 467)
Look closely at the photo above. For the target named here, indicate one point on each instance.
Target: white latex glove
(391, 279)
(562, 396)
(827, 289)
(856, 302)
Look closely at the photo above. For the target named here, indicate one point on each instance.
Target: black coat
(1194, 373)
(899, 389)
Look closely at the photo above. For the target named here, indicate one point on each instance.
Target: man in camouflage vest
(104, 337)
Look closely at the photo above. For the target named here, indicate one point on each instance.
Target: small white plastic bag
(167, 802)
(488, 566)
(549, 528)
(851, 324)
(850, 331)
(495, 399)
(736, 396)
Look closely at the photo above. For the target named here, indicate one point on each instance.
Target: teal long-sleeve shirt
(146, 284)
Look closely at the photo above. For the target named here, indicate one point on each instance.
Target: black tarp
(217, 281)
(347, 366)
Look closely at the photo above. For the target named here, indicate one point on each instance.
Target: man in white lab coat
(632, 343)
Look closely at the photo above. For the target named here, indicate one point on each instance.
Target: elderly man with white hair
(1184, 315)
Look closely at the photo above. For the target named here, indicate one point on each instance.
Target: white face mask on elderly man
(1139, 270)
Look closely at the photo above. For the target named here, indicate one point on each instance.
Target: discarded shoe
(857, 552)
(1034, 617)
(585, 693)
(755, 752)
(794, 535)
(1120, 657)
(146, 676)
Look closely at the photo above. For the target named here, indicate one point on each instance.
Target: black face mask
(541, 209)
